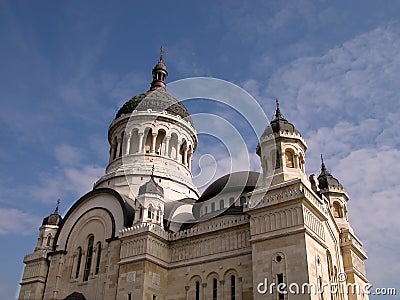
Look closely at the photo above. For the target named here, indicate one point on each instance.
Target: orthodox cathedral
(145, 231)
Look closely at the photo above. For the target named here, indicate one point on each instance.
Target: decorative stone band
(290, 190)
(38, 254)
(209, 226)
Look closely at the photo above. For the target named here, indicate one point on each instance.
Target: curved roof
(279, 123)
(245, 180)
(326, 180)
(151, 187)
(156, 100)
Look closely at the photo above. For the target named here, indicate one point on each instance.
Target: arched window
(98, 258)
(233, 287)
(242, 200)
(215, 289)
(336, 210)
(212, 207)
(231, 201)
(78, 262)
(221, 204)
(197, 290)
(89, 256)
(289, 159)
(48, 242)
(301, 162)
(150, 212)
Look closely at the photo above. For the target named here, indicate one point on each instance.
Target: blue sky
(66, 68)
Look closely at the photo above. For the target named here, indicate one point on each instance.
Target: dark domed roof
(151, 187)
(280, 123)
(326, 180)
(246, 180)
(156, 100)
(54, 218)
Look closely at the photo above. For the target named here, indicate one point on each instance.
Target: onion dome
(326, 180)
(151, 187)
(54, 218)
(279, 123)
(156, 98)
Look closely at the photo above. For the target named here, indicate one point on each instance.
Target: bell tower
(282, 151)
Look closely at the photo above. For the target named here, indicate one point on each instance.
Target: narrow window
(197, 290)
(215, 289)
(233, 287)
(281, 295)
(212, 207)
(78, 262)
(242, 200)
(336, 210)
(221, 204)
(205, 210)
(289, 159)
(98, 258)
(154, 297)
(129, 296)
(89, 256)
(231, 201)
(48, 240)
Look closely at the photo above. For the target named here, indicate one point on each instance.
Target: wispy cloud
(71, 177)
(13, 221)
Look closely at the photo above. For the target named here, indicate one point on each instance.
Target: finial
(278, 114)
(323, 168)
(161, 52)
(58, 205)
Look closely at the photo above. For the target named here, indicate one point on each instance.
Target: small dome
(280, 123)
(157, 100)
(231, 182)
(326, 180)
(54, 218)
(151, 187)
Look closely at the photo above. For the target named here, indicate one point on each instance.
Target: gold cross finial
(161, 52)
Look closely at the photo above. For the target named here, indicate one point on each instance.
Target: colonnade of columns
(149, 142)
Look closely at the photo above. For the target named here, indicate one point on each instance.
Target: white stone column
(119, 147)
(190, 154)
(140, 149)
(153, 142)
(185, 151)
(167, 139)
(112, 151)
(178, 150)
(128, 143)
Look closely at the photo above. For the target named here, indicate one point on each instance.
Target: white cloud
(70, 178)
(13, 221)
(68, 155)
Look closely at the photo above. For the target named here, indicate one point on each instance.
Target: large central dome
(156, 100)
